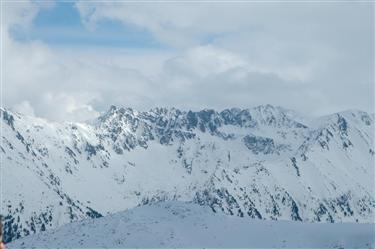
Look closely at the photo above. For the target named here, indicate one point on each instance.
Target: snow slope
(265, 163)
(178, 225)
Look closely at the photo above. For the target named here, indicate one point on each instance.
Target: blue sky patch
(61, 25)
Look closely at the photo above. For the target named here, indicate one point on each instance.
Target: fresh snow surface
(177, 224)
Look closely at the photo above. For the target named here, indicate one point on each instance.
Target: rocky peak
(275, 116)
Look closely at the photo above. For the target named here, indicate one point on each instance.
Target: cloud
(312, 58)
(37, 80)
(326, 47)
(212, 77)
(24, 108)
(19, 15)
(202, 61)
(70, 106)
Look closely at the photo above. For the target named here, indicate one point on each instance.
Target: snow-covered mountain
(187, 225)
(266, 162)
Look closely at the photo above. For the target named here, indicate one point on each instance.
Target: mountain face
(266, 163)
(174, 224)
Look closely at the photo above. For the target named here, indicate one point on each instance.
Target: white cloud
(327, 47)
(24, 108)
(16, 14)
(315, 59)
(203, 61)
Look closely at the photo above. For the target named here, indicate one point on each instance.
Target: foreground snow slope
(176, 224)
(265, 163)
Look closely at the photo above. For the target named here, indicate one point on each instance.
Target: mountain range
(265, 162)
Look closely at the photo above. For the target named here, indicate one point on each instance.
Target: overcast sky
(71, 61)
